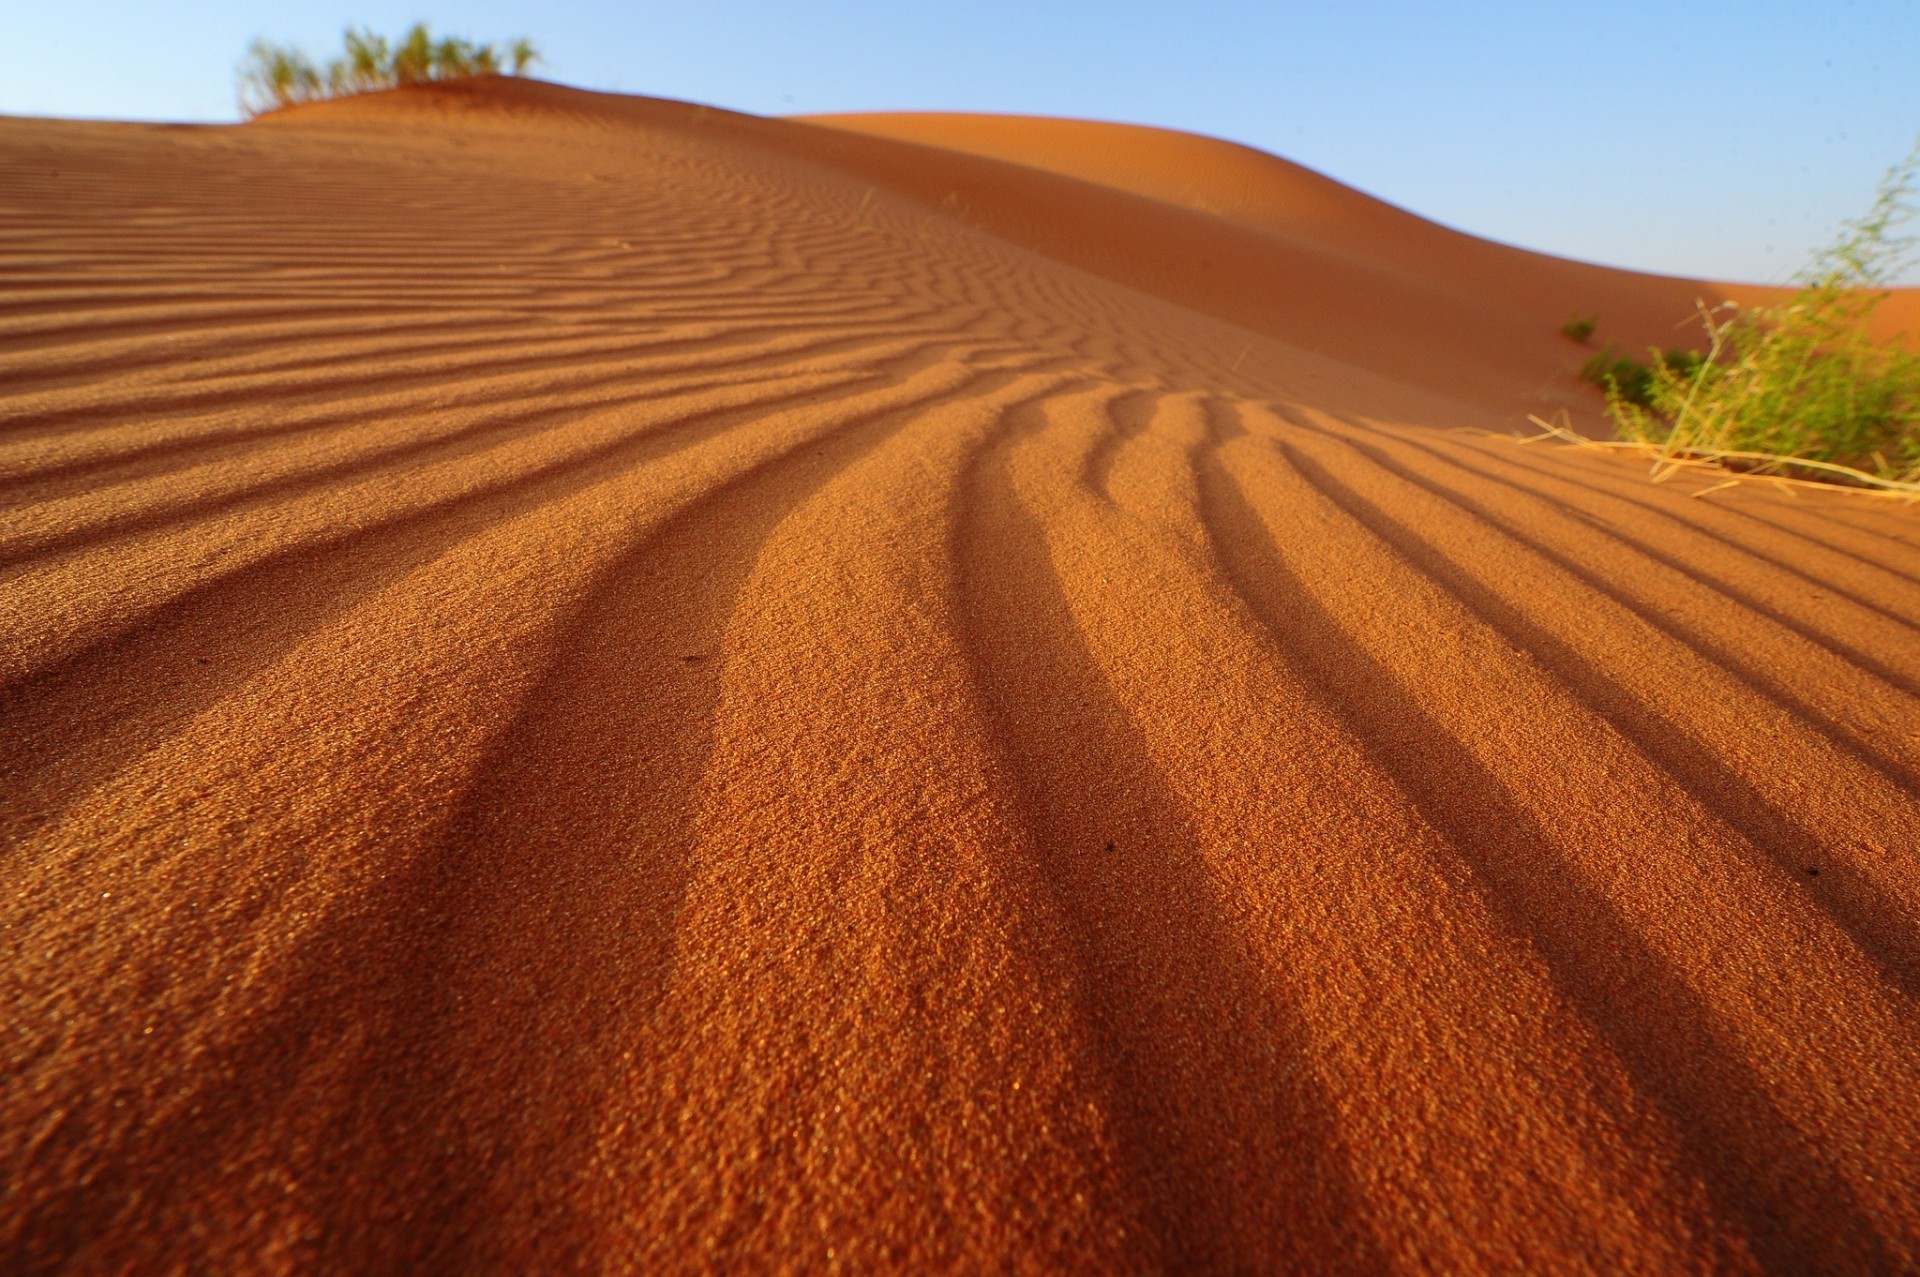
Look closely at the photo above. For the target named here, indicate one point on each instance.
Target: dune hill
(1245, 185)
(590, 683)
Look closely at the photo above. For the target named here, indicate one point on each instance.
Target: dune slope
(590, 683)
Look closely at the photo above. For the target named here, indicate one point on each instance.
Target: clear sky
(1702, 138)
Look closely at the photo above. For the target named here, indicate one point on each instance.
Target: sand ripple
(594, 684)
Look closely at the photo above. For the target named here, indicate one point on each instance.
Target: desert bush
(1800, 381)
(275, 76)
(1579, 328)
(1626, 378)
(364, 67)
(520, 55)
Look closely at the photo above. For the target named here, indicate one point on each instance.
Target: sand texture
(593, 684)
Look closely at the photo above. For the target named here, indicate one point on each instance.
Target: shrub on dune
(520, 55)
(364, 67)
(1794, 388)
(1579, 328)
(275, 76)
(1628, 380)
(413, 57)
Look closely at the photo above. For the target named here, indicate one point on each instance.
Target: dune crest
(590, 682)
(1209, 175)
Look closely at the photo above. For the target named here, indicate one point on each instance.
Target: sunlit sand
(595, 683)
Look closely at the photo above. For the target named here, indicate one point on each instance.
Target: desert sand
(589, 683)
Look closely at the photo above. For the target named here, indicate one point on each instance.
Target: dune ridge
(1245, 185)
(593, 683)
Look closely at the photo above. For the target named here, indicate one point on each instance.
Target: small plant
(275, 76)
(520, 55)
(1629, 380)
(1578, 328)
(1798, 384)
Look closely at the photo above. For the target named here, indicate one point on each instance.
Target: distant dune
(590, 683)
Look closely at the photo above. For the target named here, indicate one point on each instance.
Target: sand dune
(592, 683)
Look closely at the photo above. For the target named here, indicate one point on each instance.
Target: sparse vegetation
(1579, 327)
(1795, 387)
(275, 76)
(1627, 379)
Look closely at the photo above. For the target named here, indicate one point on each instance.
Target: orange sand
(591, 683)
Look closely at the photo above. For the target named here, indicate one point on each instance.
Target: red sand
(591, 683)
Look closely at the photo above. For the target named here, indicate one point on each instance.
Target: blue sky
(1703, 138)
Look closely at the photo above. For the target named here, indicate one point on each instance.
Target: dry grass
(1735, 464)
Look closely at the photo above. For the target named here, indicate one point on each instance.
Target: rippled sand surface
(595, 684)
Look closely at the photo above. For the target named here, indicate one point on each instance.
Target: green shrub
(1631, 381)
(1799, 381)
(275, 76)
(1579, 328)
